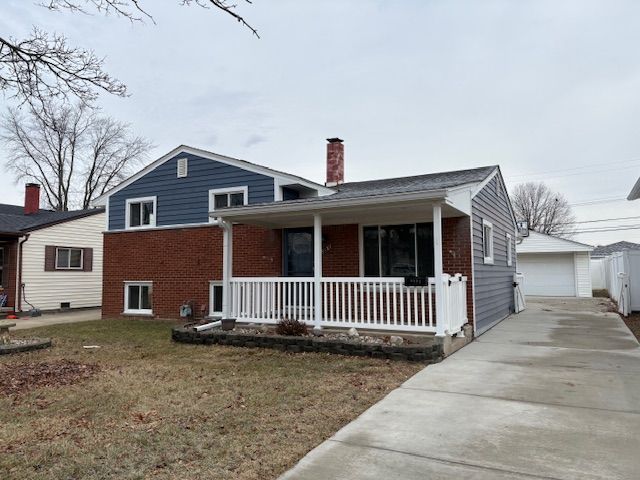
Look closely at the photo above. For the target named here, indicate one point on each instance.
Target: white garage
(554, 267)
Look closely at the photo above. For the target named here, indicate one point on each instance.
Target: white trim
(81, 267)
(244, 189)
(509, 239)
(312, 205)
(361, 250)
(575, 274)
(215, 283)
(141, 311)
(488, 259)
(484, 183)
(277, 190)
(106, 216)
(473, 275)
(286, 178)
(166, 227)
(129, 201)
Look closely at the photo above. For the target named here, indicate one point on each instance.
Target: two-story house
(426, 253)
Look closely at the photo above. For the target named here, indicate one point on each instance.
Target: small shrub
(291, 327)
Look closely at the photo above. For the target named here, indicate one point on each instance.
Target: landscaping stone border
(35, 344)
(412, 353)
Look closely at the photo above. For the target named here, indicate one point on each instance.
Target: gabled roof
(284, 178)
(538, 242)
(14, 221)
(605, 250)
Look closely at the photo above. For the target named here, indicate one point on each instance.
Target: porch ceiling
(398, 212)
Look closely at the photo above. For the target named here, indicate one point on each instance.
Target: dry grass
(633, 322)
(161, 410)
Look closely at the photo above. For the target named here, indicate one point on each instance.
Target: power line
(616, 229)
(595, 221)
(582, 167)
(597, 201)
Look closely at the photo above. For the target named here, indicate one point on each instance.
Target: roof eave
(279, 207)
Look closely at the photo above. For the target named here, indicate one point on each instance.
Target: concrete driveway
(552, 393)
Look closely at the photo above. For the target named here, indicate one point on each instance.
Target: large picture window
(138, 298)
(398, 250)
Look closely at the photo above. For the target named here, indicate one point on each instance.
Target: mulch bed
(16, 379)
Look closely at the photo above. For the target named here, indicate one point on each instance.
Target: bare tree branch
(544, 211)
(44, 66)
(75, 154)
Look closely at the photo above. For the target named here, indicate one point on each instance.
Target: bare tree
(544, 210)
(72, 151)
(43, 66)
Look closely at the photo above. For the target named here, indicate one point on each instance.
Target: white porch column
(317, 271)
(438, 273)
(227, 266)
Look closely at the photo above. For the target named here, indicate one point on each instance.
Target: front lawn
(143, 407)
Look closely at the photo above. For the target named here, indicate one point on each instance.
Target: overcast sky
(549, 90)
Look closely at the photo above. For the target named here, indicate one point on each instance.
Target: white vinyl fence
(621, 273)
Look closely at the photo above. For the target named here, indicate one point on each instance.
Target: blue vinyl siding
(493, 283)
(186, 200)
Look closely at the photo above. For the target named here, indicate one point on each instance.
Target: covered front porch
(401, 282)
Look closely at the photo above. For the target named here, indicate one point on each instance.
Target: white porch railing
(375, 303)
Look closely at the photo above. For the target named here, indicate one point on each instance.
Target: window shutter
(87, 265)
(49, 258)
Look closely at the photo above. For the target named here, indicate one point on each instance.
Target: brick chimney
(31, 198)
(335, 162)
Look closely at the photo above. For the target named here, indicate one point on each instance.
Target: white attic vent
(183, 167)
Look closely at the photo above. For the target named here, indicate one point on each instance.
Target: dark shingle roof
(386, 186)
(13, 219)
(604, 250)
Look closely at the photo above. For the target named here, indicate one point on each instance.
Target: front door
(298, 252)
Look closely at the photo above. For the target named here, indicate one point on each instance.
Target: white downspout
(317, 271)
(227, 266)
(438, 273)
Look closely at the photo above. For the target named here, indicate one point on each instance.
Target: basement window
(138, 298)
(487, 241)
(215, 300)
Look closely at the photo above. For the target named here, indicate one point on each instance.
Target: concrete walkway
(551, 393)
(47, 319)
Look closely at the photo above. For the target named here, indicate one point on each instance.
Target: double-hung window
(215, 300)
(398, 250)
(69, 258)
(1, 266)
(509, 250)
(141, 212)
(138, 298)
(487, 241)
(227, 197)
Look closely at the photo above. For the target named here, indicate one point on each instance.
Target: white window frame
(140, 311)
(127, 214)
(212, 312)
(488, 256)
(509, 250)
(69, 267)
(230, 190)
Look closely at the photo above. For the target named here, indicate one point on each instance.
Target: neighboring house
(554, 266)
(634, 194)
(50, 260)
(606, 250)
(243, 241)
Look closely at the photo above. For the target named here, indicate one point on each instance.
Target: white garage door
(548, 274)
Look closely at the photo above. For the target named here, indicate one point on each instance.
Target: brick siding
(182, 262)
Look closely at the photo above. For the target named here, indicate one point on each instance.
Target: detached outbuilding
(554, 266)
